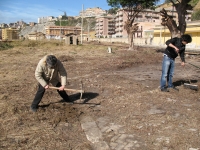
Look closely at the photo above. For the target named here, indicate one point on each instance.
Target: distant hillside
(70, 22)
(37, 28)
(77, 22)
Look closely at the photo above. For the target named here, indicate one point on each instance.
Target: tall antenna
(65, 14)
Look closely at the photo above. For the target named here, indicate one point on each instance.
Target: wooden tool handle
(71, 90)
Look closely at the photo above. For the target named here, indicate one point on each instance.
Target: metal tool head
(81, 91)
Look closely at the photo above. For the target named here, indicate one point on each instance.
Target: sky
(12, 11)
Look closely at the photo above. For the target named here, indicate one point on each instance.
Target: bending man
(49, 70)
(175, 47)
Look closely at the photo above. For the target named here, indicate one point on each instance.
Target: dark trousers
(40, 92)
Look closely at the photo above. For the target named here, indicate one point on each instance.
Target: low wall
(137, 41)
(143, 42)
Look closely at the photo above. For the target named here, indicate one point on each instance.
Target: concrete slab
(93, 133)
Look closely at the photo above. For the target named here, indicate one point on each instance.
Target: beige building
(57, 32)
(105, 26)
(36, 36)
(10, 34)
(147, 20)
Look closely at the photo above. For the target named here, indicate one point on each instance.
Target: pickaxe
(71, 90)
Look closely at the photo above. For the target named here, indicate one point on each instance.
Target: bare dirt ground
(122, 87)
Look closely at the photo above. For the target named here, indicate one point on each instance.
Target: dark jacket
(171, 52)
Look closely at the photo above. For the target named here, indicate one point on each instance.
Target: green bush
(5, 45)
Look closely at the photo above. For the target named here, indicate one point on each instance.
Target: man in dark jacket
(175, 47)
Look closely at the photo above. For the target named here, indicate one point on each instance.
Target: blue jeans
(168, 65)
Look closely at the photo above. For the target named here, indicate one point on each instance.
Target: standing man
(49, 70)
(175, 46)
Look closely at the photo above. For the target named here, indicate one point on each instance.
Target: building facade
(147, 20)
(105, 26)
(10, 34)
(36, 36)
(58, 32)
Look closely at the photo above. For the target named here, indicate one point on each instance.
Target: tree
(131, 8)
(112, 11)
(167, 20)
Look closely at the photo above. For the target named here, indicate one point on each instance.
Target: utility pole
(82, 26)
(60, 29)
(60, 22)
(88, 35)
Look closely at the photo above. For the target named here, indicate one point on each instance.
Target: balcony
(111, 25)
(111, 32)
(120, 18)
(121, 24)
(120, 13)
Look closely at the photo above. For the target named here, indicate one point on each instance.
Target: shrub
(5, 46)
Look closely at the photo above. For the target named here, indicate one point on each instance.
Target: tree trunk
(131, 46)
(167, 20)
(131, 29)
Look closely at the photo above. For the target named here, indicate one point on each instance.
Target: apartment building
(57, 32)
(36, 36)
(147, 20)
(172, 12)
(92, 12)
(10, 34)
(105, 26)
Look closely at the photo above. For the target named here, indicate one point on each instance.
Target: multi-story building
(36, 36)
(172, 12)
(92, 12)
(105, 26)
(10, 34)
(147, 20)
(57, 32)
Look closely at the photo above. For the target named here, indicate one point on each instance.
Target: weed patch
(5, 46)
